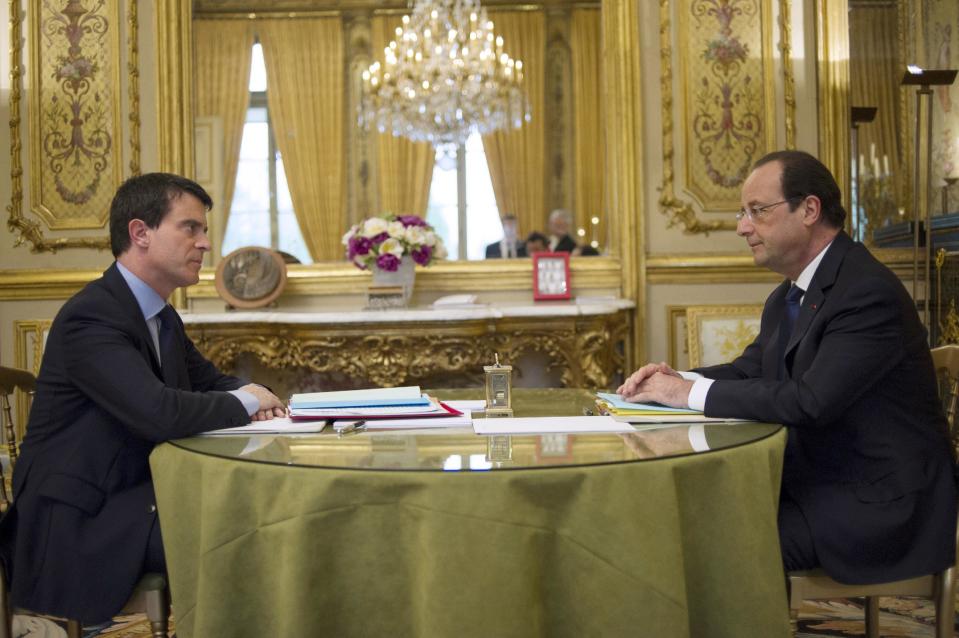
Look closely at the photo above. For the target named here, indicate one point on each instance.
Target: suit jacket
(495, 250)
(83, 496)
(566, 244)
(867, 459)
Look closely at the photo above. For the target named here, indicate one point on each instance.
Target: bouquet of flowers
(384, 242)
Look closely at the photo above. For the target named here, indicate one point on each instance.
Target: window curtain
(589, 191)
(304, 74)
(405, 168)
(223, 50)
(516, 159)
(874, 73)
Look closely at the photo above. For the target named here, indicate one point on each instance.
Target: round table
(446, 533)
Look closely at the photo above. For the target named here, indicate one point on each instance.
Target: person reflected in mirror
(559, 225)
(118, 376)
(536, 243)
(584, 251)
(842, 360)
(510, 246)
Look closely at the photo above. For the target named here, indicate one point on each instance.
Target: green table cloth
(366, 535)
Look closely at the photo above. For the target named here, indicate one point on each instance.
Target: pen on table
(352, 427)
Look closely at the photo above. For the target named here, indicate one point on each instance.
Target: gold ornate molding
(679, 211)
(133, 72)
(174, 35)
(789, 80)
(585, 351)
(28, 340)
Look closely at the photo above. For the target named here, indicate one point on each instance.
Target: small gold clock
(499, 396)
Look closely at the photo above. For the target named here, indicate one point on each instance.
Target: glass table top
(459, 449)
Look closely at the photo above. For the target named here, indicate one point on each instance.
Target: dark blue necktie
(169, 353)
(790, 314)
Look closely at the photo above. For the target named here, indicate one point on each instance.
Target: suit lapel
(118, 287)
(819, 287)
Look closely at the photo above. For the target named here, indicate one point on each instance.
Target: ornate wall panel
(942, 52)
(73, 114)
(29, 337)
(722, 107)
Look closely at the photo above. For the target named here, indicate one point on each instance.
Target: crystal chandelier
(444, 77)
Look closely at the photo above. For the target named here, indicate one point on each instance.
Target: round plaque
(250, 277)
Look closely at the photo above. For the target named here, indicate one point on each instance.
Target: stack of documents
(622, 410)
(406, 404)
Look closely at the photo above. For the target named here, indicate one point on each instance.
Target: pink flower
(422, 255)
(388, 262)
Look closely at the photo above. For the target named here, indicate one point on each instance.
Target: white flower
(374, 226)
(391, 246)
(396, 230)
(415, 236)
(439, 251)
(429, 238)
(349, 235)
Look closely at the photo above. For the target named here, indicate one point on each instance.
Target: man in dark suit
(118, 376)
(841, 359)
(510, 246)
(559, 224)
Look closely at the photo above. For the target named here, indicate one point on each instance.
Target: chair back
(11, 379)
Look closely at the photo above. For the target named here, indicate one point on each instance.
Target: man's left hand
(664, 388)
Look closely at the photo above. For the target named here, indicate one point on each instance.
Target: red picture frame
(551, 276)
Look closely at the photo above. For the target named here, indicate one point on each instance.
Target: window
(462, 207)
(262, 211)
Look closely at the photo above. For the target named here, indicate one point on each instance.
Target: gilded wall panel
(942, 52)
(75, 126)
(721, 106)
(29, 338)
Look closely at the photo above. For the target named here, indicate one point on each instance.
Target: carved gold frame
(621, 68)
(27, 358)
(679, 211)
(30, 230)
(695, 314)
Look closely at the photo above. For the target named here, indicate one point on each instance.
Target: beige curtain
(304, 71)
(223, 49)
(589, 192)
(405, 167)
(516, 159)
(874, 73)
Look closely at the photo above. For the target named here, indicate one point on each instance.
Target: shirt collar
(805, 277)
(147, 298)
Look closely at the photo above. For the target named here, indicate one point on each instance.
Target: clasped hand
(656, 383)
(270, 405)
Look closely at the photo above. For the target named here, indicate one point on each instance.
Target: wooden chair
(150, 595)
(940, 587)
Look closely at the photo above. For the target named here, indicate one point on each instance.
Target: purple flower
(359, 246)
(422, 255)
(411, 220)
(388, 262)
(379, 239)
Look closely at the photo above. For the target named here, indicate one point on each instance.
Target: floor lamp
(925, 79)
(859, 115)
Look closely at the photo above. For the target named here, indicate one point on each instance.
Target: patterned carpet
(899, 618)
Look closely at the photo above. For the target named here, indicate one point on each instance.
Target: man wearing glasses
(841, 359)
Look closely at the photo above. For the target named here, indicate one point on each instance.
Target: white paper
(472, 406)
(406, 392)
(276, 425)
(667, 420)
(466, 420)
(551, 425)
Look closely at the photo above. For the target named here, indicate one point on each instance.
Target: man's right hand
(631, 385)
(270, 405)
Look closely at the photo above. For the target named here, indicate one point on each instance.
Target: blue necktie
(169, 353)
(790, 314)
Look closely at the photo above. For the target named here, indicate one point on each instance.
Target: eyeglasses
(756, 213)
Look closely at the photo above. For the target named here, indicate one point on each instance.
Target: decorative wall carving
(726, 92)
(74, 115)
(586, 351)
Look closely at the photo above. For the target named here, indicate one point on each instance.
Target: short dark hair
(534, 236)
(802, 175)
(147, 197)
